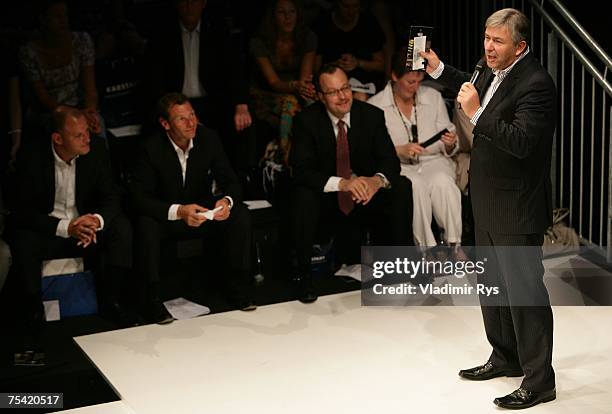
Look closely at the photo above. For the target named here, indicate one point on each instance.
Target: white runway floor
(336, 356)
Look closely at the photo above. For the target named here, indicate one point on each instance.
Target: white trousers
(434, 192)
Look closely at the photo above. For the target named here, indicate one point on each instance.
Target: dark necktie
(343, 168)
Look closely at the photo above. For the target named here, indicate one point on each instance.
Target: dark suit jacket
(313, 151)
(510, 182)
(95, 188)
(157, 181)
(221, 66)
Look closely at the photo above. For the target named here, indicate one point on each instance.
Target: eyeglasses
(336, 92)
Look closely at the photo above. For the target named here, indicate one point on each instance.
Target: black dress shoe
(117, 314)
(159, 314)
(488, 371)
(245, 304)
(248, 307)
(521, 398)
(306, 292)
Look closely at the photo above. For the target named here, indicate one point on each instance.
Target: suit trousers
(232, 237)
(388, 215)
(519, 323)
(110, 258)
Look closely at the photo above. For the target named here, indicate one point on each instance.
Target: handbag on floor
(275, 173)
(559, 238)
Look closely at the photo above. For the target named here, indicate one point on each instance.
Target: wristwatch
(385, 183)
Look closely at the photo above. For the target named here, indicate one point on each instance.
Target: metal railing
(581, 168)
(582, 172)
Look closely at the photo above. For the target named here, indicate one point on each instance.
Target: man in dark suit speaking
(172, 188)
(345, 174)
(512, 107)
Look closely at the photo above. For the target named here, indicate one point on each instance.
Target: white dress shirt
(183, 156)
(332, 184)
(500, 75)
(192, 88)
(64, 202)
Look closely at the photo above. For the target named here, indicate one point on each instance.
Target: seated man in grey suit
(345, 175)
(172, 188)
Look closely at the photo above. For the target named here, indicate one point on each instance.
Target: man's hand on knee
(356, 186)
(373, 184)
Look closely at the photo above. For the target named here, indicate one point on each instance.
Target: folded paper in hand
(210, 214)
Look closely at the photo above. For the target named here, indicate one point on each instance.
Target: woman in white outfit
(413, 114)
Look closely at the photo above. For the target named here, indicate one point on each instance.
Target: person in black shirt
(352, 40)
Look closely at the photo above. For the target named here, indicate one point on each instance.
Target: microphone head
(480, 65)
(477, 71)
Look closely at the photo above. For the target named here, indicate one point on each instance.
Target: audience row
(351, 164)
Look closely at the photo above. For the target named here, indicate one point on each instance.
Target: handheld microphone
(477, 71)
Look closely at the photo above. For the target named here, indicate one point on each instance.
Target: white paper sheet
(126, 131)
(181, 308)
(210, 214)
(257, 204)
(419, 46)
(56, 267)
(52, 310)
(353, 271)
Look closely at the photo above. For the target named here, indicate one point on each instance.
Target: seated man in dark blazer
(172, 187)
(195, 53)
(345, 174)
(67, 205)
